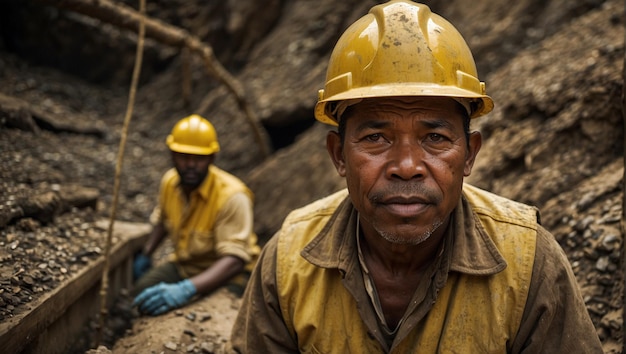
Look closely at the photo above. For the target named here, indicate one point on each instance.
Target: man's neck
(187, 190)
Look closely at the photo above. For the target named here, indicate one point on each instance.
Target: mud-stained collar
(473, 251)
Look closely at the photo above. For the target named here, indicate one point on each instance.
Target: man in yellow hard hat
(208, 213)
(409, 259)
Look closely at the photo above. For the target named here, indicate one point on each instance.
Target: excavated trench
(64, 319)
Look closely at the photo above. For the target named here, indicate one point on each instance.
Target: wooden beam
(125, 17)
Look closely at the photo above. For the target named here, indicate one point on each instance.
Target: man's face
(404, 160)
(192, 169)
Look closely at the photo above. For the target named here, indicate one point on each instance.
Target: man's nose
(406, 161)
(190, 161)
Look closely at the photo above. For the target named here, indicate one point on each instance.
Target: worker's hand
(163, 297)
(141, 264)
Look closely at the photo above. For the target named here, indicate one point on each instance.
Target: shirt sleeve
(259, 326)
(234, 228)
(156, 217)
(555, 319)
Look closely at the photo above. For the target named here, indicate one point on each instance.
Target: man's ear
(335, 150)
(475, 142)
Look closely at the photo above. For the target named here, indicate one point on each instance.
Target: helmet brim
(191, 149)
(324, 115)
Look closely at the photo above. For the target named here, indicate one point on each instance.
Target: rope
(118, 169)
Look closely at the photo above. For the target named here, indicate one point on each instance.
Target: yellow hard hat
(193, 135)
(401, 48)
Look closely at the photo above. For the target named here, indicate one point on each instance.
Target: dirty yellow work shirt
(500, 284)
(216, 221)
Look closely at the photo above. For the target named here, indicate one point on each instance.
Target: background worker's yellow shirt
(216, 221)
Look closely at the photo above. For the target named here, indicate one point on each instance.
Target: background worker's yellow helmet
(193, 135)
(401, 48)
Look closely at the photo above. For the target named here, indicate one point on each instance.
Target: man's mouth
(189, 177)
(405, 206)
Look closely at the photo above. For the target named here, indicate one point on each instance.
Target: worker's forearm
(218, 274)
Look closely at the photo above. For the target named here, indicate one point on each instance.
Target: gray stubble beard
(394, 238)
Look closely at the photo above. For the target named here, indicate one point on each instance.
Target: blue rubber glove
(141, 264)
(163, 297)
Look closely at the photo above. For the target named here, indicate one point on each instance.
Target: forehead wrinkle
(407, 103)
(391, 118)
(390, 111)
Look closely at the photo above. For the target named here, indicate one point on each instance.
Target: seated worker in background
(208, 213)
(409, 259)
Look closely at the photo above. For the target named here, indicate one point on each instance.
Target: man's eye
(436, 137)
(374, 137)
